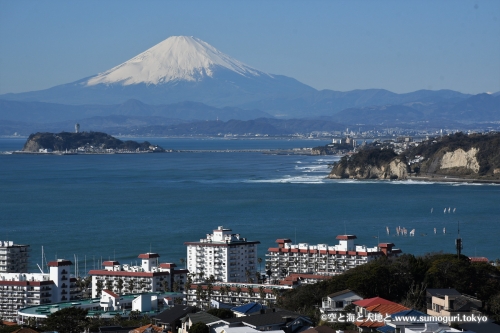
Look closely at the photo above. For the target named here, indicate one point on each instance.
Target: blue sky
(400, 46)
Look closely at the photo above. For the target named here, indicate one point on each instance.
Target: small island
(84, 143)
(457, 157)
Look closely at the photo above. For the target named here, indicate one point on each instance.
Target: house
(199, 317)
(338, 301)
(247, 309)
(109, 300)
(449, 302)
(320, 329)
(303, 278)
(149, 328)
(421, 328)
(283, 320)
(372, 313)
(170, 319)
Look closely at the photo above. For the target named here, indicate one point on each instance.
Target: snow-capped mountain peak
(176, 58)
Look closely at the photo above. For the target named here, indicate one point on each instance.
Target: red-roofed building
(373, 311)
(322, 259)
(151, 276)
(364, 303)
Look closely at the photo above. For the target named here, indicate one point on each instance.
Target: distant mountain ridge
(183, 68)
(53, 112)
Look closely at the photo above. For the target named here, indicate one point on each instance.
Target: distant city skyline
(337, 45)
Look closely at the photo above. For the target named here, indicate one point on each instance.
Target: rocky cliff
(458, 156)
(370, 164)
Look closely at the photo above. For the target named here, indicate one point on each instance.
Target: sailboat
(444, 230)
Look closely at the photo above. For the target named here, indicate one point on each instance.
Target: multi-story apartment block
(227, 256)
(202, 294)
(13, 257)
(19, 290)
(151, 276)
(288, 258)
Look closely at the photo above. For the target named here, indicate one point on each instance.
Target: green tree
(189, 282)
(262, 294)
(224, 290)
(176, 286)
(251, 292)
(99, 287)
(164, 285)
(109, 284)
(269, 272)
(67, 320)
(131, 286)
(238, 292)
(201, 275)
(119, 285)
(258, 277)
(199, 328)
(210, 287)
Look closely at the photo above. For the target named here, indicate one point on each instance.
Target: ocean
(101, 207)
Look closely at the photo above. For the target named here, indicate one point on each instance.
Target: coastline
(452, 179)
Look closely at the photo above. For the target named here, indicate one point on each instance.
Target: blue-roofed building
(247, 309)
(408, 313)
(412, 321)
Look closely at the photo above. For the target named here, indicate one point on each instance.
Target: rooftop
(47, 309)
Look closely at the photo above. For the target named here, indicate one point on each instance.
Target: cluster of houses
(221, 272)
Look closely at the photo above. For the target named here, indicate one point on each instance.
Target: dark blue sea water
(117, 206)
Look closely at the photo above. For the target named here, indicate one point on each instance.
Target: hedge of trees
(404, 280)
(66, 140)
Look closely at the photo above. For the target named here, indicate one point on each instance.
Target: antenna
(458, 242)
(41, 270)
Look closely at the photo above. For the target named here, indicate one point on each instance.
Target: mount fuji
(187, 69)
(178, 69)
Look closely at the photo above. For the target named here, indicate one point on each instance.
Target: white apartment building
(227, 256)
(150, 276)
(19, 290)
(13, 257)
(322, 259)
